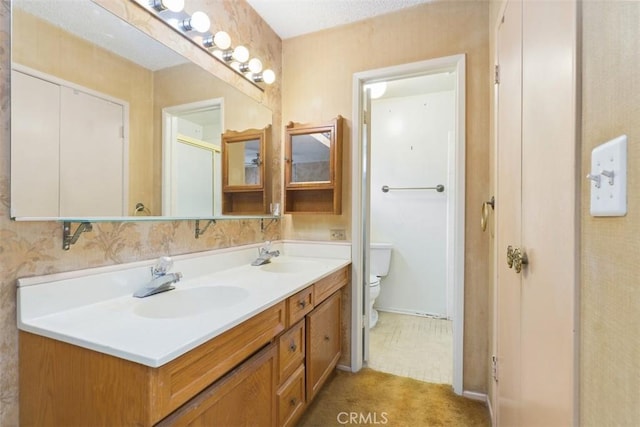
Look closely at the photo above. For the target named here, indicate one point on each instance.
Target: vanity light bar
(196, 26)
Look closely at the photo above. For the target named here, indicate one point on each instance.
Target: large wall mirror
(109, 123)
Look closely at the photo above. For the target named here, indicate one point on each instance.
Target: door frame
(360, 183)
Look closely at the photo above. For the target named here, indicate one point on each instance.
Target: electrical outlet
(338, 234)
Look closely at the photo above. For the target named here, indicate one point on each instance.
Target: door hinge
(494, 368)
(122, 132)
(496, 79)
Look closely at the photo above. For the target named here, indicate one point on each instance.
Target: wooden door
(536, 213)
(508, 199)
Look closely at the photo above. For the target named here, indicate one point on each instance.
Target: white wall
(409, 148)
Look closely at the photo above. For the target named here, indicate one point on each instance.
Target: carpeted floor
(376, 398)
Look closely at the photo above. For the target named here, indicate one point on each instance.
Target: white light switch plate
(609, 196)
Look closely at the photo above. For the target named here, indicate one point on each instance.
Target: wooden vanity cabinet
(323, 343)
(263, 372)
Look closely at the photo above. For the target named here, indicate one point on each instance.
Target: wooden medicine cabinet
(313, 168)
(243, 175)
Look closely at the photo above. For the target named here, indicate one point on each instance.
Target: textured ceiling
(291, 18)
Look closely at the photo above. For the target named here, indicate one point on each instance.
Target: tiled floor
(412, 346)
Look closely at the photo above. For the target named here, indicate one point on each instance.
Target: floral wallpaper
(35, 248)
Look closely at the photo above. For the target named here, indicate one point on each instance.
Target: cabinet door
(323, 343)
(244, 397)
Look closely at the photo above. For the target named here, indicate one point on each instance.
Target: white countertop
(98, 311)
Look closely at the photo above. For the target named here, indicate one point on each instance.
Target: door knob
(519, 259)
(516, 258)
(510, 256)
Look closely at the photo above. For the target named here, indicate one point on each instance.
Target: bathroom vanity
(257, 356)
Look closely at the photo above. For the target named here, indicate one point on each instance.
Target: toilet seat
(374, 280)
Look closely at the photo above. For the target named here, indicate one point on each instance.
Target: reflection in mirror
(243, 174)
(99, 112)
(244, 162)
(310, 157)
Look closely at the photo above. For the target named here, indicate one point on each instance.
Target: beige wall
(610, 289)
(28, 249)
(317, 85)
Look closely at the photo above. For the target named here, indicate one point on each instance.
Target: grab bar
(439, 188)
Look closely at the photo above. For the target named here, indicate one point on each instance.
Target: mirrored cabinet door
(245, 163)
(243, 172)
(313, 166)
(311, 157)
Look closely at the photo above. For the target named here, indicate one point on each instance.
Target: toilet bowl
(374, 291)
(379, 260)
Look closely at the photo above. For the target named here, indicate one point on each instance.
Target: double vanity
(232, 344)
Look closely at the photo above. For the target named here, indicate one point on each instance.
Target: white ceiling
(291, 18)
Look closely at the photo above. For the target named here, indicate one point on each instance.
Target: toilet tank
(379, 258)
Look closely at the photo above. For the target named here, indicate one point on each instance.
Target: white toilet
(379, 261)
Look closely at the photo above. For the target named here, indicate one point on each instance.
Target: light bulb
(377, 89)
(254, 66)
(268, 76)
(220, 40)
(240, 54)
(172, 5)
(199, 21)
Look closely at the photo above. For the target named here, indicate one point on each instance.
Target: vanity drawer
(291, 351)
(299, 305)
(323, 288)
(291, 399)
(181, 379)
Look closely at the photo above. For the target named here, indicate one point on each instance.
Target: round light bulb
(241, 54)
(199, 21)
(377, 89)
(222, 40)
(255, 65)
(268, 76)
(173, 5)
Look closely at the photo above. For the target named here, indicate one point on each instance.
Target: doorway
(191, 181)
(365, 193)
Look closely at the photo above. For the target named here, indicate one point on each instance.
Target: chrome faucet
(161, 281)
(265, 254)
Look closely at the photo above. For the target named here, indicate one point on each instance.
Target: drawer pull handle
(293, 347)
(326, 338)
(293, 401)
(302, 304)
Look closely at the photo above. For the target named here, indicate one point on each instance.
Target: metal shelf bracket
(69, 239)
(201, 231)
(263, 227)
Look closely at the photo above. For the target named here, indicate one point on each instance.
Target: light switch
(609, 178)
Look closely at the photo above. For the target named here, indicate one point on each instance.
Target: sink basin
(189, 302)
(289, 266)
